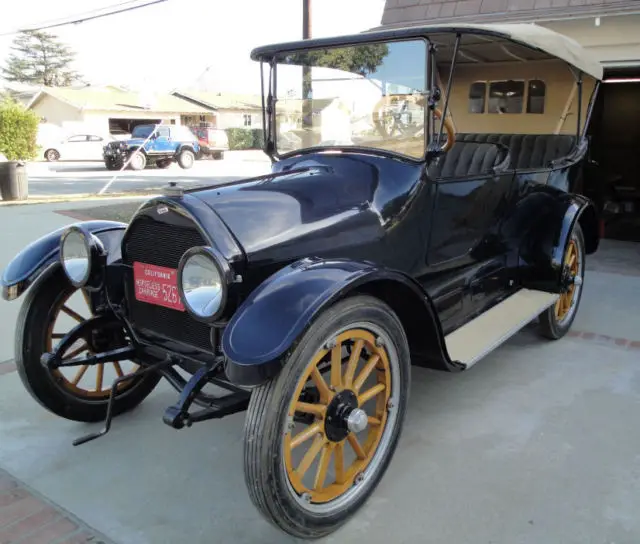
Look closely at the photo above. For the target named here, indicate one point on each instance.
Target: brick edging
(27, 517)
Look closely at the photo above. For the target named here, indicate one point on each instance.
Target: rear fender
(39, 255)
(543, 255)
(277, 313)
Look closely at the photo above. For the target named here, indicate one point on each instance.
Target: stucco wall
(56, 112)
(232, 119)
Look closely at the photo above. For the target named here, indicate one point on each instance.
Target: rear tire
(186, 158)
(218, 155)
(361, 325)
(556, 321)
(50, 388)
(51, 155)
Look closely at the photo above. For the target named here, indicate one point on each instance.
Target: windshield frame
(270, 100)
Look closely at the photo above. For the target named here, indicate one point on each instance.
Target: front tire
(139, 161)
(51, 155)
(356, 340)
(77, 393)
(556, 321)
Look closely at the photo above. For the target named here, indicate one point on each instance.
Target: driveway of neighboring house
(538, 443)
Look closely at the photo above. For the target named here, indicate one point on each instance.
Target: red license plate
(157, 285)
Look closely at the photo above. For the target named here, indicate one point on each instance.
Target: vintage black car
(421, 210)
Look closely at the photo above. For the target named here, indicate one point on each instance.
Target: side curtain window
(536, 96)
(477, 97)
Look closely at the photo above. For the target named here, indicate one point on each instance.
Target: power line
(77, 19)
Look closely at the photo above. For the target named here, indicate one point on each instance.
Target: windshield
(142, 131)
(369, 95)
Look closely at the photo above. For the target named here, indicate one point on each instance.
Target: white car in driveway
(78, 147)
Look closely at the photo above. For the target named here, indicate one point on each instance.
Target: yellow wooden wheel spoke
(323, 465)
(87, 299)
(81, 372)
(75, 352)
(118, 368)
(353, 362)
(318, 410)
(323, 388)
(303, 436)
(374, 421)
(311, 454)
(357, 448)
(339, 463)
(99, 377)
(72, 313)
(336, 367)
(370, 393)
(366, 371)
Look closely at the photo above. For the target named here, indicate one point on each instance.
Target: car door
(162, 143)
(76, 148)
(470, 200)
(95, 147)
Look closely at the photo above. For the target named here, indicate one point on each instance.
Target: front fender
(282, 308)
(549, 244)
(34, 259)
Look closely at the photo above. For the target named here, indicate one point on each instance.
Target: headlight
(81, 255)
(202, 278)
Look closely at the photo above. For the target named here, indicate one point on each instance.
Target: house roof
(402, 12)
(219, 101)
(114, 99)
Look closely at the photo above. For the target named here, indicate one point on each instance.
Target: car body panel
(29, 263)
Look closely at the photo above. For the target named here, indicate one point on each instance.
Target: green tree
(39, 58)
(18, 131)
(358, 59)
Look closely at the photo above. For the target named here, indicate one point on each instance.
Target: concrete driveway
(538, 443)
(66, 178)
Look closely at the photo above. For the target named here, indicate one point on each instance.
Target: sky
(185, 43)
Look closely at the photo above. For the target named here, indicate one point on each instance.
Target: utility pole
(307, 109)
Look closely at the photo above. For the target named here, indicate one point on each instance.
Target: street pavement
(538, 443)
(67, 178)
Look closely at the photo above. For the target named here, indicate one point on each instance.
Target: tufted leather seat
(468, 158)
(527, 150)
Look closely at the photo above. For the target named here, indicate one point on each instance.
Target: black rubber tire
(112, 164)
(51, 155)
(218, 155)
(264, 472)
(139, 164)
(164, 163)
(30, 342)
(549, 326)
(186, 159)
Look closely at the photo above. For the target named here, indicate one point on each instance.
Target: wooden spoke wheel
(52, 307)
(557, 320)
(319, 437)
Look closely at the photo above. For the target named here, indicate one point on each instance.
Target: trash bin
(14, 182)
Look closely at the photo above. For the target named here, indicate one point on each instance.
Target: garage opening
(614, 169)
(124, 127)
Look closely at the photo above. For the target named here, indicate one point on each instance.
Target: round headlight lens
(75, 257)
(202, 287)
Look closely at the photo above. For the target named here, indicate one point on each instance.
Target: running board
(482, 335)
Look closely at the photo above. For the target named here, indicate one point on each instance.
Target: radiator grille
(161, 244)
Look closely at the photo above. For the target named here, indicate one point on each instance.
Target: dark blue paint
(27, 265)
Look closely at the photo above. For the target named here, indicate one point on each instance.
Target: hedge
(18, 131)
(245, 138)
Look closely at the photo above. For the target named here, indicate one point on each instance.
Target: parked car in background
(213, 142)
(159, 144)
(77, 147)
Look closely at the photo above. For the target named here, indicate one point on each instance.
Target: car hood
(135, 141)
(313, 209)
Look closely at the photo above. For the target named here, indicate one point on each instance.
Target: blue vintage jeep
(162, 144)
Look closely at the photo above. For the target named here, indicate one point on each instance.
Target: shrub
(245, 138)
(18, 131)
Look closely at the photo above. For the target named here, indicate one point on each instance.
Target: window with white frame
(247, 119)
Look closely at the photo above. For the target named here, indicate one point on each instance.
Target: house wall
(559, 82)
(235, 119)
(56, 112)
